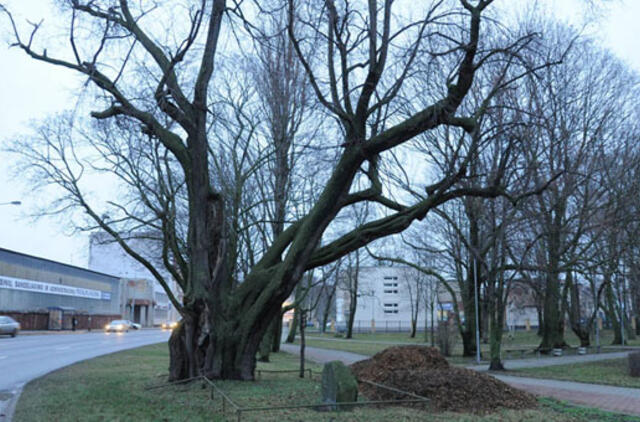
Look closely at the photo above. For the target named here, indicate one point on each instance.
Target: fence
(228, 405)
(365, 326)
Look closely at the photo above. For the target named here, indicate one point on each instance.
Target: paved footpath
(553, 361)
(605, 397)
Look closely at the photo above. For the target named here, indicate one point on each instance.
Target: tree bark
(553, 324)
(302, 342)
(267, 342)
(612, 315)
(277, 335)
(293, 326)
(495, 341)
(580, 326)
(468, 343)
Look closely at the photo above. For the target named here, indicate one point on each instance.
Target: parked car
(9, 326)
(118, 326)
(169, 325)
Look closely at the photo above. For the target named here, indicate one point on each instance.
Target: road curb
(8, 407)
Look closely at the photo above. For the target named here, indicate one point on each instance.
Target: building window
(390, 305)
(390, 284)
(390, 278)
(390, 311)
(394, 291)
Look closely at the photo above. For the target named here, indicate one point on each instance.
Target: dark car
(9, 326)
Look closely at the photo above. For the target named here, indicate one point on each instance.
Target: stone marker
(634, 364)
(339, 385)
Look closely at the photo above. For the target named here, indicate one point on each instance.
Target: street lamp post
(475, 288)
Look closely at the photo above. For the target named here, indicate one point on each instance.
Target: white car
(9, 326)
(119, 326)
(169, 325)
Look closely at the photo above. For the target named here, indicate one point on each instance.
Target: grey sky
(30, 91)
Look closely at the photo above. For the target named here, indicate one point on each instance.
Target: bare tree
(161, 90)
(578, 110)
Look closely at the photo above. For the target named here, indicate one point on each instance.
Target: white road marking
(63, 348)
(3, 357)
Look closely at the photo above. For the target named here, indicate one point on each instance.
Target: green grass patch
(112, 388)
(564, 410)
(609, 372)
(371, 343)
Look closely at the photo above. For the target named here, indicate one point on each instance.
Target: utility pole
(475, 289)
(622, 300)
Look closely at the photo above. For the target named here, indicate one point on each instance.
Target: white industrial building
(144, 299)
(385, 297)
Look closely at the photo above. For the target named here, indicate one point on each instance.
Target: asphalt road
(27, 357)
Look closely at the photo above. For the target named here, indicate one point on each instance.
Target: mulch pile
(424, 371)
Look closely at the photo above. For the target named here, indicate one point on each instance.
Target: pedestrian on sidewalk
(74, 322)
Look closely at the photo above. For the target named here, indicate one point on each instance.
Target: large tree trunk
(276, 338)
(468, 329)
(267, 342)
(495, 339)
(221, 354)
(612, 315)
(552, 324)
(553, 318)
(485, 320)
(182, 362)
(468, 343)
(580, 326)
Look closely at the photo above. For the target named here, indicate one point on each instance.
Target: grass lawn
(520, 338)
(610, 372)
(112, 388)
(369, 344)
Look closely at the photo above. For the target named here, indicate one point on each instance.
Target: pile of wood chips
(424, 371)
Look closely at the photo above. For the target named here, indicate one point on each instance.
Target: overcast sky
(30, 91)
